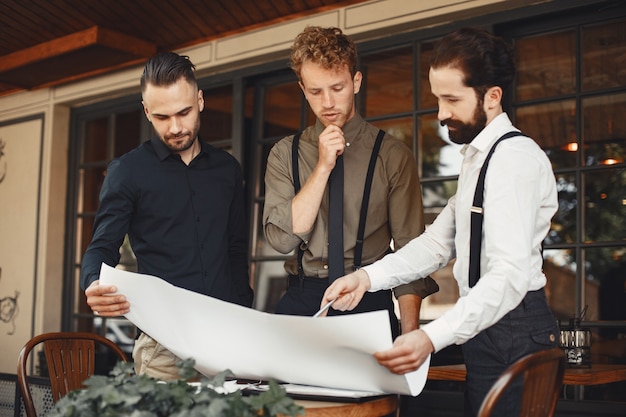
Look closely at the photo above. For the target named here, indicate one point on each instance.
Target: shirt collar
(500, 125)
(163, 151)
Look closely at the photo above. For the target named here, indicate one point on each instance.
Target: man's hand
(347, 291)
(306, 204)
(408, 352)
(331, 144)
(104, 302)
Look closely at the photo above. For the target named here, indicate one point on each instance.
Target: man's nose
(443, 113)
(176, 125)
(328, 100)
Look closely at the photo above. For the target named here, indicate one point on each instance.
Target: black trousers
(528, 328)
(304, 295)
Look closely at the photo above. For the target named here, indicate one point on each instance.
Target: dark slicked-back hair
(485, 60)
(328, 47)
(165, 68)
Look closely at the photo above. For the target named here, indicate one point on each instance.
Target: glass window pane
(438, 303)
(439, 155)
(84, 231)
(401, 129)
(388, 82)
(127, 131)
(435, 196)
(546, 65)
(264, 152)
(281, 110)
(564, 226)
(603, 49)
(605, 205)
(95, 143)
(91, 180)
(560, 269)
(553, 127)
(426, 99)
(270, 282)
(604, 129)
(216, 121)
(607, 268)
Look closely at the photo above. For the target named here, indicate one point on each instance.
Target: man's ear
(493, 97)
(146, 111)
(358, 78)
(200, 101)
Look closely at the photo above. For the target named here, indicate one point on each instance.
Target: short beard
(466, 132)
(193, 134)
(181, 147)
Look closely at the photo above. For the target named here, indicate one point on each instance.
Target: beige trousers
(153, 359)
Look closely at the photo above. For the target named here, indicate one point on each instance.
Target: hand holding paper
(332, 352)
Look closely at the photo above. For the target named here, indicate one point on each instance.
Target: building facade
(569, 95)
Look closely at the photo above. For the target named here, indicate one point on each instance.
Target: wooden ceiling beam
(74, 42)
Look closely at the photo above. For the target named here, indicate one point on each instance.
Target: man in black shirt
(181, 203)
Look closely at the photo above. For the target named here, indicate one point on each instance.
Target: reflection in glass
(217, 118)
(270, 282)
(606, 268)
(426, 99)
(267, 270)
(401, 129)
(387, 86)
(553, 127)
(546, 65)
(605, 205)
(95, 144)
(564, 226)
(435, 196)
(601, 47)
(281, 110)
(560, 269)
(440, 156)
(604, 129)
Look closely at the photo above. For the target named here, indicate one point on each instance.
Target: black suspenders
(358, 249)
(476, 225)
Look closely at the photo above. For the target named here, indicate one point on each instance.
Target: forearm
(306, 204)
(409, 312)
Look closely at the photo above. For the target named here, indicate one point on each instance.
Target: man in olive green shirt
(325, 61)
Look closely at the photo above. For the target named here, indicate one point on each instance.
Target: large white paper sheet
(333, 352)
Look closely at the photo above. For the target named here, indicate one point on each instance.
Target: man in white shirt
(504, 315)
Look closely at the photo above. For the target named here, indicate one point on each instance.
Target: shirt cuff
(439, 334)
(377, 278)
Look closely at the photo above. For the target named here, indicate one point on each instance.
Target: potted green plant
(124, 393)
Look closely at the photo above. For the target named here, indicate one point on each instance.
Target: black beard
(466, 132)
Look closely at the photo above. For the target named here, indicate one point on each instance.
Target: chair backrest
(542, 374)
(70, 358)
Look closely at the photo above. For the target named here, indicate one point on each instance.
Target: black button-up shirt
(186, 224)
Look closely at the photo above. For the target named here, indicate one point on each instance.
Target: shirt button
(325, 266)
(552, 337)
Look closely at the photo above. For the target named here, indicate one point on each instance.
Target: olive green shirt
(394, 211)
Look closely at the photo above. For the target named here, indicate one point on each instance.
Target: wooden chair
(543, 377)
(70, 357)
